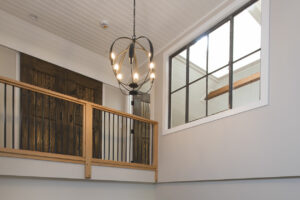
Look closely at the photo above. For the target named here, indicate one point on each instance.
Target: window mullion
(206, 94)
(231, 63)
(170, 82)
(187, 85)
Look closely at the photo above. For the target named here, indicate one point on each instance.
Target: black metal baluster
(100, 137)
(134, 141)
(74, 129)
(152, 137)
(126, 138)
(148, 142)
(43, 123)
(49, 125)
(61, 130)
(122, 139)
(5, 115)
(140, 142)
(79, 140)
(136, 134)
(13, 117)
(21, 118)
(94, 135)
(137, 140)
(104, 136)
(144, 144)
(55, 128)
(28, 119)
(34, 122)
(113, 137)
(109, 136)
(130, 133)
(118, 143)
(67, 133)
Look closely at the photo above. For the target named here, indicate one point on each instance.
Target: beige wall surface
(275, 189)
(263, 142)
(8, 62)
(12, 188)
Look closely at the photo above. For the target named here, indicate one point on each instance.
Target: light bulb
(135, 76)
(113, 55)
(152, 75)
(116, 67)
(151, 65)
(119, 76)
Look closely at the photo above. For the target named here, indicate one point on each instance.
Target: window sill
(215, 117)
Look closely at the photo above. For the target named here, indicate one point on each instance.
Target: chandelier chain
(134, 18)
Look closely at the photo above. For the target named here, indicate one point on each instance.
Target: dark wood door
(141, 138)
(50, 124)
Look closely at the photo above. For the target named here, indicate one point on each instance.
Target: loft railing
(42, 124)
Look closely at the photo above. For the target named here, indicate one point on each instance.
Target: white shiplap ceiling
(78, 20)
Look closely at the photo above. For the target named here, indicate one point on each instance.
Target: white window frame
(264, 73)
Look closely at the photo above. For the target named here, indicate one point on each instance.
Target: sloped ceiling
(78, 20)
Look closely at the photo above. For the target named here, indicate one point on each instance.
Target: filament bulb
(116, 67)
(135, 76)
(152, 75)
(113, 55)
(119, 76)
(151, 65)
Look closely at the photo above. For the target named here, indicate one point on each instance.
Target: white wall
(113, 98)
(24, 37)
(260, 143)
(8, 62)
(12, 188)
(272, 189)
(8, 68)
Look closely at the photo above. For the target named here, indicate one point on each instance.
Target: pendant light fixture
(132, 84)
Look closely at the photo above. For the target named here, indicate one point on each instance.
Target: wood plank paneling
(50, 124)
(141, 136)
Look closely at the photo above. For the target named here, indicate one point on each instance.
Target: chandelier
(135, 82)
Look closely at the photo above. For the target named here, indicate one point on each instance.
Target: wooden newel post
(88, 128)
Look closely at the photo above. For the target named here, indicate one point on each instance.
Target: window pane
(247, 71)
(178, 71)
(197, 103)
(198, 59)
(218, 48)
(247, 31)
(218, 98)
(178, 108)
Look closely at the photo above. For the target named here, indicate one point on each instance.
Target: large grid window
(220, 70)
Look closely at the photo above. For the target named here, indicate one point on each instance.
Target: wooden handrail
(71, 99)
(87, 143)
(237, 84)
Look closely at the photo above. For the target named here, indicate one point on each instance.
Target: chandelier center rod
(134, 19)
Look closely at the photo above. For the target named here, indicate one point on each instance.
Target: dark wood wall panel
(141, 137)
(50, 124)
